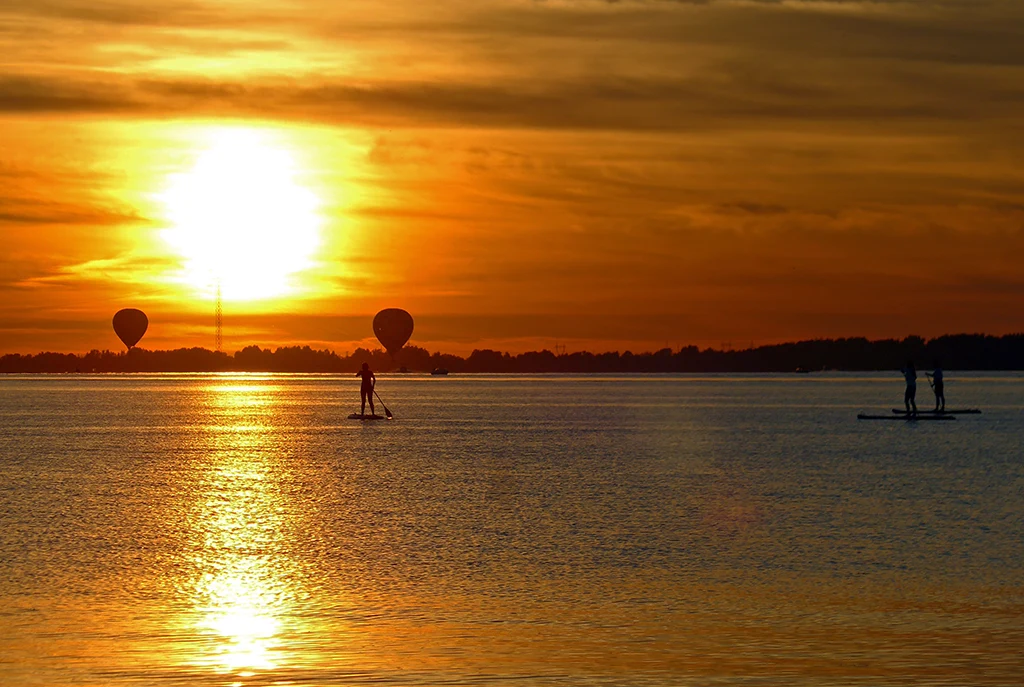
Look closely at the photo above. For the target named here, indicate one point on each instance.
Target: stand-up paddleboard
(904, 417)
(357, 416)
(958, 411)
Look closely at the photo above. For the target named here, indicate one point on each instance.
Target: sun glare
(241, 220)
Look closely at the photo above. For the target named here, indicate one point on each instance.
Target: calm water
(237, 530)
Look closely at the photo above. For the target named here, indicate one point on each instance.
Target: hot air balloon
(393, 327)
(129, 325)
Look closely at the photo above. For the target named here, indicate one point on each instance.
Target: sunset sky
(599, 175)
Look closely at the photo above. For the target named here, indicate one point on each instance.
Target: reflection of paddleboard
(958, 411)
(905, 418)
(357, 416)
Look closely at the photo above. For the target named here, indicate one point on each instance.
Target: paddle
(386, 411)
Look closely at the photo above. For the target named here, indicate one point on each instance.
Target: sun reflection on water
(242, 591)
(240, 614)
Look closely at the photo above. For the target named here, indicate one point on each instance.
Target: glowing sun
(241, 220)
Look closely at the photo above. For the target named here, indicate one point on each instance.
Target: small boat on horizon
(439, 371)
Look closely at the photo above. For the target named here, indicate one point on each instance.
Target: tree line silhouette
(955, 352)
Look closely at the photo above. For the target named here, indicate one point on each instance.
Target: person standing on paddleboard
(909, 396)
(937, 387)
(366, 388)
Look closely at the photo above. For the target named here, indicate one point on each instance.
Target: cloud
(41, 212)
(576, 66)
(736, 98)
(163, 14)
(28, 94)
(122, 269)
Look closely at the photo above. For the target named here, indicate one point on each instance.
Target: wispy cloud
(644, 66)
(124, 269)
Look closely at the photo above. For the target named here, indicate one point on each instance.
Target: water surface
(545, 530)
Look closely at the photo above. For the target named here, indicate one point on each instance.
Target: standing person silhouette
(366, 388)
(909, 396)
(938, 387)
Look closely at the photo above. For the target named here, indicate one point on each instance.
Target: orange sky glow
(516, 174)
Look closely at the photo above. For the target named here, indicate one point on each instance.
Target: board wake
(357, 416)
(903, 417)
(958, 411)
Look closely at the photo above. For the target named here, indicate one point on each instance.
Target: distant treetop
(954, 352)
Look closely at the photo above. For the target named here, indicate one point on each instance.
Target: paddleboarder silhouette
(935, 379)
(366, 388)
(909, 396)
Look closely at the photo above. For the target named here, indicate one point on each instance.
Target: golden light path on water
(242, 591)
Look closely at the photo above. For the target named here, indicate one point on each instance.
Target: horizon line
(910, 338)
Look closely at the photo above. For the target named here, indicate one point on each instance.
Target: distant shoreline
(963, 352)
(395, 374)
